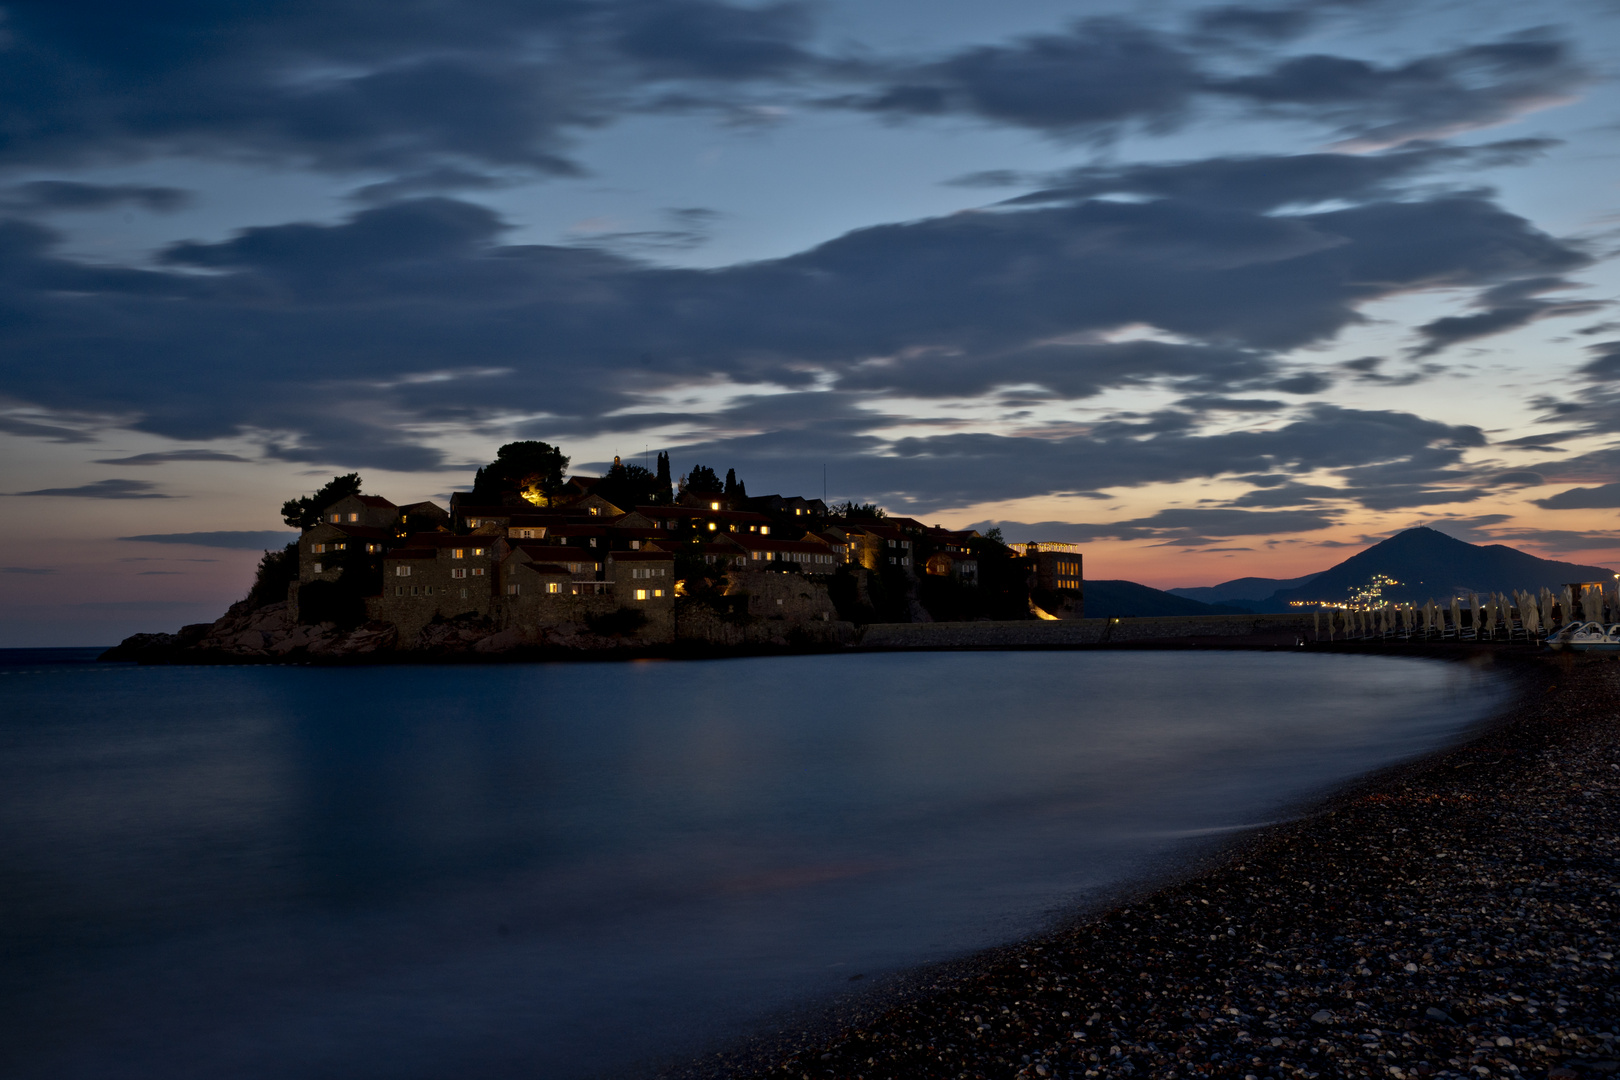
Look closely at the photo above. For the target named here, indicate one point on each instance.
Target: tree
(527, 470)
(277, 570)
(628, 486)
(305, 513)
(854, 511)
(666, 490)
(702, 481)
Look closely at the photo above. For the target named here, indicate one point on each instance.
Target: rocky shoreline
(1452, 918)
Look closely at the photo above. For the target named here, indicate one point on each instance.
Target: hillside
(1127, 599)
(1243, 591)
(1428, 565)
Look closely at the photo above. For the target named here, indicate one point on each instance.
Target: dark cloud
(348, 85)
(71, 195)
(1604, 497)
(1379, 456)
(1261, 24)
(418, 313)
(1104, 76)
(33, 429)
(1432, 96)
(1604, 367)
(1174, 527)
(1506, 307)
(102, 489)
(27, 570)
(235, 541)
(1266, 182)
(1098, 76)
(167, 456)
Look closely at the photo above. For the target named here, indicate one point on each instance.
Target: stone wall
(1269, 629)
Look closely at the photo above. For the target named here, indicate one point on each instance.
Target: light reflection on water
(564, 870)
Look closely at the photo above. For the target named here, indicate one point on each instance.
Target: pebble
(1453, 919)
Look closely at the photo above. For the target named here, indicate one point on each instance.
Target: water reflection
(565, 870)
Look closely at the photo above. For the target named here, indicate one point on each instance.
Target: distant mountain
(1127, 599)
(1243, 590)
(1429, 564)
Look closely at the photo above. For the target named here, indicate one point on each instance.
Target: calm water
(566, 870)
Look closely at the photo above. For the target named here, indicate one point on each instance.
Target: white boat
(1587, 637)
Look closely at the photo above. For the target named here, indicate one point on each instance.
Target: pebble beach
(1451, 918)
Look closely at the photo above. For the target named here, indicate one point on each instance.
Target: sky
(1216, 289)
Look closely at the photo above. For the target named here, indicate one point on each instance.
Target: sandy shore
(1456, 917)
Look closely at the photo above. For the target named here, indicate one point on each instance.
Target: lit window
(478, 571)
(402, 571)
(714, 506)
(458, 572)
(797, 512)
(641, 594)
(712, 526)
(336, 518)
(458, 553)
(339, 547)
(354, 517)
(512, 590)
(765, 529)
(478, 551)
(596, 511)
(372, 549)
(658, 592)
(317, 568)
(553, 586)
(317, 548)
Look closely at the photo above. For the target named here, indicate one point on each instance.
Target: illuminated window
(402, 571)
(712, 526)
(765, 529)
(658, 592)
(372, 549)
(596, 511)
(336, 518)
(317, 548)
(641, 594)
(478, 551)
(714, 506)
(478, 571)
(797, 512)
(354, 517)
(459, 572)
(553, 586)
(458, 553)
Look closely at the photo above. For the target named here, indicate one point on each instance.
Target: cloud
(165, 457)
(1105, 76)
(60, 196)
(235, 541)
(102, 489)
(27, 570)
(1266, 182)
(1604, 497)
(1507, 307)
(348, 340)
(1434, 96)
(345, 85)
(157, 573)
(1176, 526)
(33, 429)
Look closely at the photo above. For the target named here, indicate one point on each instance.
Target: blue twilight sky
(1220, 289)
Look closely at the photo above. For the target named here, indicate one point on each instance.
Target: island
(533, 561)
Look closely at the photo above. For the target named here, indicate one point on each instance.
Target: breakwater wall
(1236, 630)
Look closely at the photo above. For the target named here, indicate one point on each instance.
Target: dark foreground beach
(1455, 917)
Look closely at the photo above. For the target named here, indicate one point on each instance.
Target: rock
(1322, 1016)
(1435, 1014)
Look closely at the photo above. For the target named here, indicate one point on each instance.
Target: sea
(573, 870)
